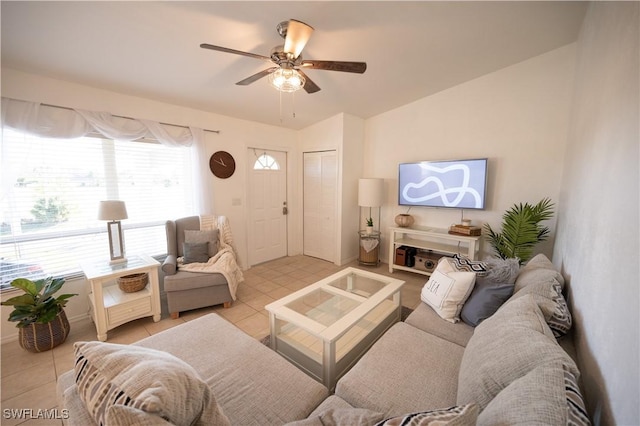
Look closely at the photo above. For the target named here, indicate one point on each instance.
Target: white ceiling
(151, 49)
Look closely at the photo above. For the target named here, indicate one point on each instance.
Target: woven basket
(39, 337)
(134, 282)
(370, 258)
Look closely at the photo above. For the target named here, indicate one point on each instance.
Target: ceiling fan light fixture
(286, 80)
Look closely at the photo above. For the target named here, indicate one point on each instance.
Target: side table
(110, 306)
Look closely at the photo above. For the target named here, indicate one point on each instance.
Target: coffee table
(327, 326)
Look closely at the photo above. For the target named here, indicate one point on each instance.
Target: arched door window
(266, 162)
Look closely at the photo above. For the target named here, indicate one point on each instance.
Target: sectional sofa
(515, 367)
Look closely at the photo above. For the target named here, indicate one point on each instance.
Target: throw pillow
(547, 395)
(195, 252)
(548, 295)
(122, 415)
(505, 347)
(465, 415)
(537, 269)
(502, 270)
(485, 299)
(447, 290)
(463, 263)
(154, 382)
(210, 236)
(577, 411)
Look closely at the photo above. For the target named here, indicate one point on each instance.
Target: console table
(436, 240)
(110, 306)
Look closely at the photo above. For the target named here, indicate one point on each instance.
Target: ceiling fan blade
(356, 67)
(298, 34)
(235, 52)
(256, 76)
(309, 85)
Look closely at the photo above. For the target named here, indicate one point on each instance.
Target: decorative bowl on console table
(404, 220)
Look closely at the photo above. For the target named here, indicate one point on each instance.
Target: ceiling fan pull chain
(293, 102)
(280, 96)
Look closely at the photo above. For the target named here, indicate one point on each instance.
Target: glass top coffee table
(326, 327)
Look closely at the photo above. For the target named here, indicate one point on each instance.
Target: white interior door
(320, 203)
(267, 233)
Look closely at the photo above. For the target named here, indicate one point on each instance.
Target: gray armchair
(189, 290)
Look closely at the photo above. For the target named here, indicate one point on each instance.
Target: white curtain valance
(53, 122)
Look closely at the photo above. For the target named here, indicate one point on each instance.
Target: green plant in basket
(37, 304)
(370, 221)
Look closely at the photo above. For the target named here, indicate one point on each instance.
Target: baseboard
(13, 337)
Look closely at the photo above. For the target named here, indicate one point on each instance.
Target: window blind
(51, 189)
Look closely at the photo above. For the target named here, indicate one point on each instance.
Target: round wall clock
(222, 164)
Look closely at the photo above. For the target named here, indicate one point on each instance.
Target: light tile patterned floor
(28, 380)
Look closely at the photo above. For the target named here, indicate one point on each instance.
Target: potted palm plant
(40, 317)
(521, 230)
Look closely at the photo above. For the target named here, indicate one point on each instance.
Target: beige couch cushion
(406, 371)
(426, 319)
(253, 384)
(505, 347)
(341, 417)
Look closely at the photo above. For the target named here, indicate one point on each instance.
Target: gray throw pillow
(211, 236)
(484, 301)
(195, 252)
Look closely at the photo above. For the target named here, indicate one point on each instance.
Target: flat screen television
(459, 184)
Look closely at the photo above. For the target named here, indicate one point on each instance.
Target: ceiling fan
(287, 75)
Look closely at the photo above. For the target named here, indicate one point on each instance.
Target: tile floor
(28, 380)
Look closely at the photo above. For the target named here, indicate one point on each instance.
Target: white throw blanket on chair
(223, 262)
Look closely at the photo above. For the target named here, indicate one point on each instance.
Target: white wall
(517, 117)
(597, 245)
(343, 133)
(352, 148)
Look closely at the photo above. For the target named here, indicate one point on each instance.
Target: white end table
(110, 306)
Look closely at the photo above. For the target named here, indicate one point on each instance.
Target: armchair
(189, 290)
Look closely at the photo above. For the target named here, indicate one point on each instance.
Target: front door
(267, 233)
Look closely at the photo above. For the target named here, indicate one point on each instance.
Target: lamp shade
(370, 192)
(112, 210)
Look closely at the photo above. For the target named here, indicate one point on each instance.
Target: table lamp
(114, 211)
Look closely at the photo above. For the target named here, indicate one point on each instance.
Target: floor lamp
(371, 194)
(114, 211)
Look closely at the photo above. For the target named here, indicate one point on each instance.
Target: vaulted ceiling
(151, 49)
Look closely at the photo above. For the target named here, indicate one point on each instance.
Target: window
(51, 189)
(266, 162)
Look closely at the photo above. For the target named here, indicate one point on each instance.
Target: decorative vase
(369, 229)
(404, 220)
(39, 337)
